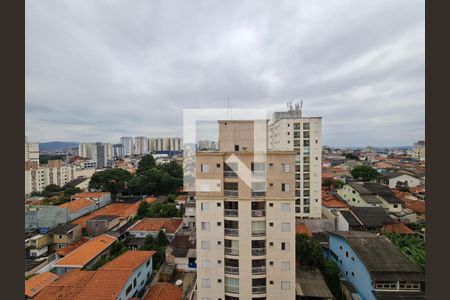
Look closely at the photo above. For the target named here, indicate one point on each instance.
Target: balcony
(230, 174)
(232, 289)
(231, 270)
(259, 270)
(232, 231)
(258, 213)
(258, 289)
(231, 193)
(258, 193)
(231, 251)
(230, 212)
(258, 232)
(258, 251)
(258, 174)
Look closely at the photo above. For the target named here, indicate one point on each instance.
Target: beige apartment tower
(289, 131)
(245, 217)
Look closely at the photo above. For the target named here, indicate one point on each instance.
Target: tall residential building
(419, 150)
(56, 172)
(87, 150)
(100, 155)
(207, 145)
(245, 218)
(141, 145)
(108, 150)
(31, 151)
(118, 151)
(291, 131)
(166, 144)
(128, 147)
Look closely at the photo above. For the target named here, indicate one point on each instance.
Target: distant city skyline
(99, 70)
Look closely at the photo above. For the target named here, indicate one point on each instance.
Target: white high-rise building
(245, 217)
(31, 151)
(128, 147)
(118, 151)
(419, 150)
(141, 145)
(177, 144)
(38, 178)
(292, 132)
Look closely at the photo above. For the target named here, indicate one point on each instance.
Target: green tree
(351, 156)
(330, 274)
(146, 163)
(364, 173)
(143, 209)
(173, 168)
(162, 239)
(308, 251)
(111, 180)
(69, 191)
(51, 190)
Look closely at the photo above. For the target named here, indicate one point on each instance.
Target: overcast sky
(97, 70)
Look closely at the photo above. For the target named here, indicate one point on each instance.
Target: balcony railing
(232, 270)
(258, 193)
(258, 212)
(230, 212)
(231, 193)
(230, 174)
(258, 289)
(232, 231)
(258, 173)
(232, 289)
(259, 270)
(258, 232)
(231, 251)
(258, 251)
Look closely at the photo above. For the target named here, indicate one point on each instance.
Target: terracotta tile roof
(334, 203)
(164, 291)
(416, 205)
(123, 210)
(36, 283)
(398, 228)
(90, 195)
(87, 252)
(77, 204)
(302, 228)
(72, 246)
(130, 260)
(105, 285)
(67, 287)
(155, 224)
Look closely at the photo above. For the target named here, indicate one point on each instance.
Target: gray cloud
(97, 70)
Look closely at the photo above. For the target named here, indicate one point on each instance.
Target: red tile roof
(67, 287)
(130, 260)
(164, 291)
(105, 285)
(302, 228)
(77, 204)
(398, 228)
(171, 225)
(87, 252)
(72, 246)
(36, 283)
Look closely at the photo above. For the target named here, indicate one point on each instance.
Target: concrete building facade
(128, 147)
(31, 151)
(289, 131)
(245, 217)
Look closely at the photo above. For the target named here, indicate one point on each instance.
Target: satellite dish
(179, 282)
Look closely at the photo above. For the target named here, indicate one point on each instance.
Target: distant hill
(57, 146)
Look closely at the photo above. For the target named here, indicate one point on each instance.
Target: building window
(270, 243)
(205, 245)
(285, 187)
(285, 207)
(219, 262)
(285, 246)
(285, 266)
(285, 227)
(204, 206)
(346, 253)
(285, 168)
(270, 204)
(206, 283)
(205, 226)
(271, 263)
(219, 224)
(285, 285)
(218, 165)
(236, 147)
(271, 224)
(204, 168)
(206, 263)
(219, 280)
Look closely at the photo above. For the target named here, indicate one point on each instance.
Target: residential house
(374, 267)
(86, 255)
(36, 283)
(65, 234)
(101, 224)
(79, 207)
(100, 198)
(311, 285)
(122, 278)
(163, 291)
(151, 226)
(182, 252)
(363, 218)
(394, 179)
(39, 244)
(189, 214)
